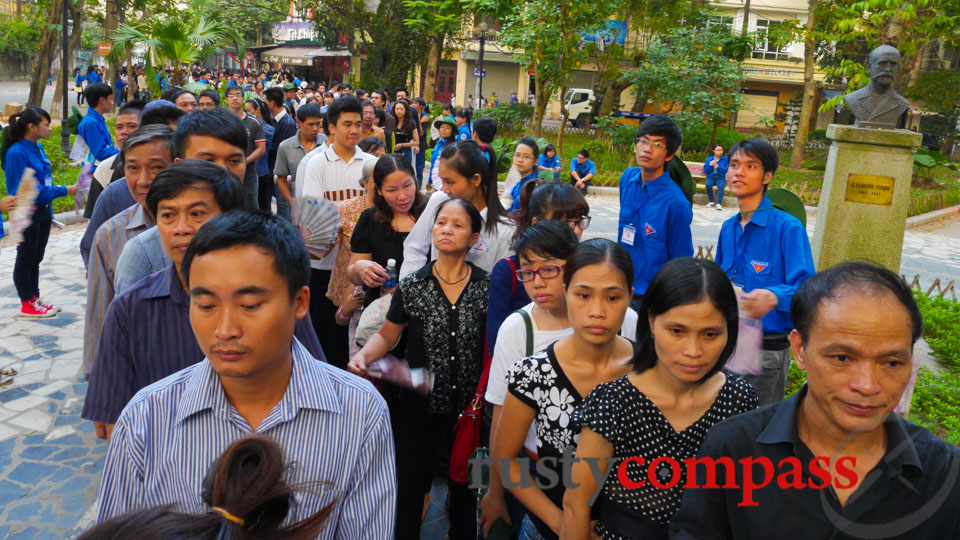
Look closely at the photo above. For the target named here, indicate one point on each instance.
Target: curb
(69, 217)
(930, 217)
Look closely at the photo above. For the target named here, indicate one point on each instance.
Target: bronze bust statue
(878, 104)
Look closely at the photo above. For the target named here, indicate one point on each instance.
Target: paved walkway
(50, 460)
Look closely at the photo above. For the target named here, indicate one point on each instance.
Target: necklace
(437, 273)
(555, 321)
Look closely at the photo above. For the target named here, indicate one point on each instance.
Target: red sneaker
(34, 310)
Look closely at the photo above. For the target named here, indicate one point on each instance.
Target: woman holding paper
(25, 153)
(443, 304)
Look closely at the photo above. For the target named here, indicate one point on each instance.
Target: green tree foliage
(18, 38)
(691, 73)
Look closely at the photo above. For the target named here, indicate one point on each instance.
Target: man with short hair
(131, 355)
(367, 129)
(247, 275)
(335, 175)
(111, 169)
(92, 132)
(292, 151)
(484, 130)
(582, 170)
(835, 460)
(379, 99)
(655, 215)
(147, 151)
(256, 145)
(766, 254)
(208, 99)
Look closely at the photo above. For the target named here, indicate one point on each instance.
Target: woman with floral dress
(548, 386)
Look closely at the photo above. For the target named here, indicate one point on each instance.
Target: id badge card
(629, 234)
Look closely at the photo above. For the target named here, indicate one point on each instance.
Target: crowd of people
(241, 379)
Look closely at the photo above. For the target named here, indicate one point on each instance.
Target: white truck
(580, 106)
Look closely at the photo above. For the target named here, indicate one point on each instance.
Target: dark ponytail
(248, 497)
(18, 128)
(469, 158)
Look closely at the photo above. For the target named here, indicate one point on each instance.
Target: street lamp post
(482, 31)
(65, 103)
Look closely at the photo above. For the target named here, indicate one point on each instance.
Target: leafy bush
(18, 37)
(624, 136)
(696, 138)
(936, 404)
(941, 319)
(817, 135)
(510, 117)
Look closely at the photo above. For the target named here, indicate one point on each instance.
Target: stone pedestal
(865, 196)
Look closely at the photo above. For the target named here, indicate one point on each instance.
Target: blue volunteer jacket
(721, 169)
(463, 134)
(542, 161)
(93, 129)
(772, 252)
(589, 168)
(517, 188)
(660, 217)
(25, 154)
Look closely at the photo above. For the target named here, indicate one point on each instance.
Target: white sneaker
(719, 207)
(711, 204)
(51, 307)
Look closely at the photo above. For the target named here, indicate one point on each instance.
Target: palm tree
(178, 40)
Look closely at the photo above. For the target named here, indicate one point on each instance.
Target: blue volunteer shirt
(23, 154)
(463, 134)
(772, 252)
(588, 168)
(517, 188)
(93, 129)
(654, 224)
(548, 163)
(720, 170)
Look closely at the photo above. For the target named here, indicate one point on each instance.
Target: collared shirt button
(454, 387)
(453, 333)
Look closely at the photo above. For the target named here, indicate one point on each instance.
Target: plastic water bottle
(391, 281)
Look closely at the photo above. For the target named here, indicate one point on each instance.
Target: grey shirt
(289, 155)
(141, 256)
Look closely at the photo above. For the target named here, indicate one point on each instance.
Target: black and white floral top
(623, 415)
(445, 338)
(539, 382)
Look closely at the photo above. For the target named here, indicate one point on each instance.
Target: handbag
(466, 438)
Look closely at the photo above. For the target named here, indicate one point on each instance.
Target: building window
(720, 21)
(767, 48)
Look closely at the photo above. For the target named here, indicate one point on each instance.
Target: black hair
(408, 124)
(343, 104)
(94, 92)
(447, 107)
(218, 123)
(212, 94)
(246, 482)
(161, 114)
(17, 128)
(264, 111)
(423, 103)
(550, 200)
(370, 144)
(132, 107)
(365, 102)
(466, 114)
(683, 281)
(186, 174)
(531, 142)
(399, 89)
(661, 125)
(309, 110)
(759, 149)
(381, 115)
(274, 95)
(387, 165)
(158, 133)
(468, 158)
(599, 251)
(233, 88)
(548, 238)
(486, 129)
(383, 95)
(475, 220)
(550, 148)
(855, 275)
(272, 234)
(584, 152)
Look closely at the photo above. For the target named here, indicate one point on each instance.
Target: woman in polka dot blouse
(663, 408)
(548, 386)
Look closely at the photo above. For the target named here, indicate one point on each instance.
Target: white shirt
(104, 170)
(279, 115)
(490, 248)
(330, 177)
(511, 347)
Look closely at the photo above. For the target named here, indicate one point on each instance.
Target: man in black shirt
(833, 461)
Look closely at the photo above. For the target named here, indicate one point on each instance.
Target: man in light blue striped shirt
(247, 274)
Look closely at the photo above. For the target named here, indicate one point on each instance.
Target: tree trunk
(743, 32)
(76, 13)
(541, 107)
(47, 47)
(563, 119)
(809, 89)
(614, 89)
(433, 65)
(112, 19)
(131, 78)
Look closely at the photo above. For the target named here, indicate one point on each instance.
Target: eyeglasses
(643, 142)
(582, 222)
(547, 271)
